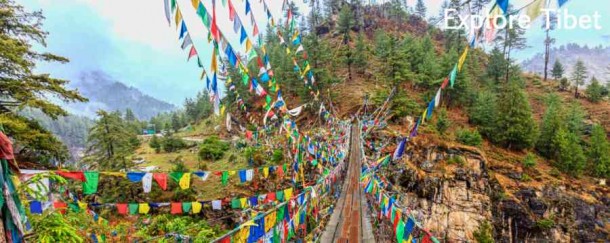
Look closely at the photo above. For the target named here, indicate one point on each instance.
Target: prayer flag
(503, 4)
(35, 207)
(121, 208)
(185, 181)
(182, 30)
(161, 179)
(90, 185)
(187, 41)
(167, 13)
(196, 207)
(186, 207)
(133, 208)
(176, 208)
(135, 176)
(143, 208)
(243, 36)
(178, 17)
(463, 58)
(534, 9)
(192, 53)
(78, 175)
(453, 75)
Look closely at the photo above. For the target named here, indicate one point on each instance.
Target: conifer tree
(516, 128)
(599, 152)
(594, 91)
(511, 39)
(484, 113)
(548, 41)
(360, 53)
(557, 71)
(570, 157)
(176, 122)
(420, 9)
(578, 75)
(497, 64)
(108, 143)
(574, 119)
(552, 121)
(442, 123)
(345, 26)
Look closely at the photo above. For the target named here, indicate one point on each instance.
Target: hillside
(596, 58)
(106, 93)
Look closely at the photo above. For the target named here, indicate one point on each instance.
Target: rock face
(451, 192)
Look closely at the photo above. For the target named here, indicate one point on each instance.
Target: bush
(172, 144)
(213, 148)
(254, 155)
(484, 234)
(155, 144)
(530, 160)
(545, 224)
(456, 160)
(278, 156)
(467, 137)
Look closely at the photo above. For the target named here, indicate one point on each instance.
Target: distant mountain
(597, 60)
(104, 92)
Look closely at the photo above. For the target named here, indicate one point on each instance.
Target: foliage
(579, 74)
(420, 9)
(108, 144)
(599, 152)
(155, 143)
(557, 71)
(516, 128)
(458, 160)
(213, 148)
(360, 54)
(569, 155)
(195, 227)
(552, 121)
(40, 193)
(529, 161)
(564, 83)
(442, 123)
(278, 156)
(484, 234)
(484, 113)
(545, 224)
(467, 137)
(254, 155)
(172, 144)
(54, 227)
(594, 91)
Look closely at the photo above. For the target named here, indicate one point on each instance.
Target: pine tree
(484, 113)
(599, 152)
(557, 71)
(155, 143)
(516, 128)
(360, 54)
(548, 41)
(594, 91)
(129, 116)
(574, 119)
(108, 144)
(420, 9)
(176, 122)
(570, 157)
(497, 64)
(511, 39)
(21, 87)
(578, 76)
(552, 121)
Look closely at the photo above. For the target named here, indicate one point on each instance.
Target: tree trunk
(547, 51)
(507, 63)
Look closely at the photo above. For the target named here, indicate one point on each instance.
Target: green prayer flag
(176, 176)
(225, 178)
(280, 215)
(276, 235)
(133, 208)
(314, 162)
(74, 207)
(244, 78)
(235, 203)
(186, 207)
(251, 55)
(173, 5)
(400, 230)
(91, 181)
(279, 195)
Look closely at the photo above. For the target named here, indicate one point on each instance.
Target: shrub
(530, 160)
(545, 224)
(456, 160)
(155, 144)
(467, 137)
(484, 234)
(172, 144)
(213, 148)
(278, 156)
(254, 155)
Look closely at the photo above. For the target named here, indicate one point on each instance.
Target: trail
(349, 221)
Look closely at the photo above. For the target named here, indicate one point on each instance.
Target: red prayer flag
(227, 239)
(280, 172)
(6, 147)
(255, 31)
(248, 134)
(161, 179)
(426, 238)
(176, 208)
(192, 53)
(61, 206)
(270, 197)
(231, 11)
(445, 82)
(122, 208)
(77, 175)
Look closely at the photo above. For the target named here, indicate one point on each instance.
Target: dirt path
(349, 222)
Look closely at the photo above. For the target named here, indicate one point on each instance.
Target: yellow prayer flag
(287, 50)
(305, 70)
(222, 110)
(534, 9)
(82, 205)
(185, 181)
(178, 17)
(195, 3)
(243, 202)
(248, 45)
(463, 58)
(423, 116)
(270, 221)
(120, 174)
(409, 240)
(288, 193)
(214, 65)
(266, 172)
(232, 172)
(196, 207)
(143, 208)
(242, 234)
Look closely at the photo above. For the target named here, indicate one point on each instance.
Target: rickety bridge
(349, 221)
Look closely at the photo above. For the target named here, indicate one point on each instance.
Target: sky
(132, 41)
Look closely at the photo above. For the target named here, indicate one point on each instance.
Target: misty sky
(132, 41)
